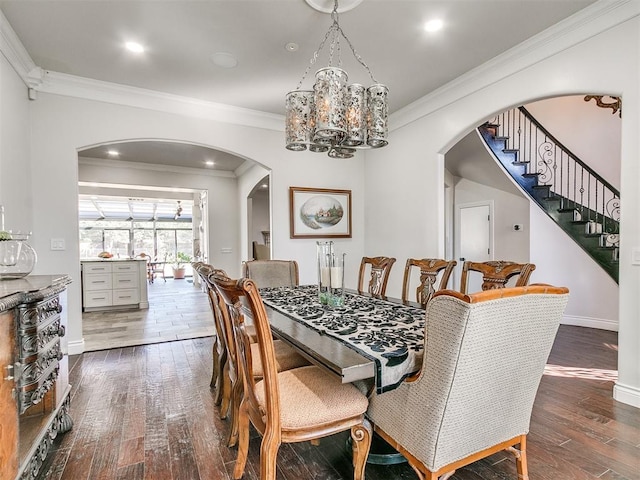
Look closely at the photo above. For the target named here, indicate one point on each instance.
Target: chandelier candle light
(336, 117)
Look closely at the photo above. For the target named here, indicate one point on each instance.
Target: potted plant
(179, 263)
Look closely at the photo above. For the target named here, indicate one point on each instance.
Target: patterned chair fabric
(380, 269)
(496, 274)
(483, 360)
(430, 269)
(296, 405)
(272, 273)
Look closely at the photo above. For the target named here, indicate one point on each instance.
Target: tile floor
(178, 310)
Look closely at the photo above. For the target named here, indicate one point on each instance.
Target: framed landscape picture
(319, 213)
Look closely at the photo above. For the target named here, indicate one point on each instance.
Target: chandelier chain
(335, 45)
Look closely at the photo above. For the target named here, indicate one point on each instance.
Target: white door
(474, 239)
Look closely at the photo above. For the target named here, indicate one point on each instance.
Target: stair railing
(595, 199)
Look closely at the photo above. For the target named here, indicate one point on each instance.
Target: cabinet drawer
(97, 281)
(97, 267)
(124, 267)
(97, 298)
(125, 296)
(125, 280)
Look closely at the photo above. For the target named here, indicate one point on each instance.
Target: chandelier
(336, 117)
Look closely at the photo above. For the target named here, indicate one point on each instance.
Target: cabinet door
(9, 408)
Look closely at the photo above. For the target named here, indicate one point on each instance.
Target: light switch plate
(58, 244)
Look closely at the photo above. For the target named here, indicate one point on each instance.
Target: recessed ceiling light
(134, 47)
(291, 47)
(224, 60)
(209, 163)
(113, 153)
(433, 25)
(264, 185)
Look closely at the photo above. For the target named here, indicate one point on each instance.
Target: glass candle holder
(336, 281)
(324, 251)
(17, 258)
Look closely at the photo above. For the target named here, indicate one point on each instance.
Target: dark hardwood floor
(147, 412)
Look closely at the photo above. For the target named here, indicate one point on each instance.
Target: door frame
(456, 235)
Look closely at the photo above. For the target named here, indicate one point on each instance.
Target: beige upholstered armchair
(272, 273)
(483, 360)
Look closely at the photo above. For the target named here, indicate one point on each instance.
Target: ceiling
(85, 38)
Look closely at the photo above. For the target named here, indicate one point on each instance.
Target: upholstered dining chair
(430, 269)
(496, 273)
(286, 358)
(302, 404)
(484, 356)
(380, 267)
(272, 273)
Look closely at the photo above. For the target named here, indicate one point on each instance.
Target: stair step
(511, 150)
(501, 138)
(579, 222)
(521, 162)
(531, 175)
(565, 210)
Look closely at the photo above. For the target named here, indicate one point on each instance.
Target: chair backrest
(380, 269)
(484, 356)
(206, 272)
(496, 273)
(261, 252)
(236, 294)
(429, 268)
(272, 273)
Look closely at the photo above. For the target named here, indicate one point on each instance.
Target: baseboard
(627, 394)
(601, 323)
(76, 347)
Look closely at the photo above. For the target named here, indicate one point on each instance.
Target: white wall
(15, 171)
(429, 127)
(508, 210)
(62, 125)
(260, 217)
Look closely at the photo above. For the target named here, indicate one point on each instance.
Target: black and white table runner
(390, 334)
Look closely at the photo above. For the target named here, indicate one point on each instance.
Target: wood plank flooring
(177, 310)
(147, 412)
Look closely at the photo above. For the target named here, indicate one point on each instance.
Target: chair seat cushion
(286, 358)
(310, 396)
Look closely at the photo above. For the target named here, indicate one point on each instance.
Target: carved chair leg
(215, 371)
(268, 455)
(243, 441)
(219, 387)
(236, 398)
(361, 442)
(521, 458)
(226, 392)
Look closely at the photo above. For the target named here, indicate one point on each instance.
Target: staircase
(581, 202)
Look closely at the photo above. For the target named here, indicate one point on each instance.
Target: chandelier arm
(357, 55)
(315, 56)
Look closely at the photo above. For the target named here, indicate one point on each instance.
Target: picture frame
(319, 213)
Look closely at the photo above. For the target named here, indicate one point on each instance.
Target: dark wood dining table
(367, 338)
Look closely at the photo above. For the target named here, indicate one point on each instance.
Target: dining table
(366, 338)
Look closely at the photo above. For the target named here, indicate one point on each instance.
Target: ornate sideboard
(34, 383)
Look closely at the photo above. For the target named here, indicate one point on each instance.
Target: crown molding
(155, 167)
(89, 89)
(47, 81)
(17, 55)
(587, 23)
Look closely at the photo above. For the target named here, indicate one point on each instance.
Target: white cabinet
(111, 284)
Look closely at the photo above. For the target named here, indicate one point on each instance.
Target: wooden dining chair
(496, 274)
(430, 269)
(272, 273)
(484, 356)
(286, 358)
(380, 267)
(302, 404)
(219, 353)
